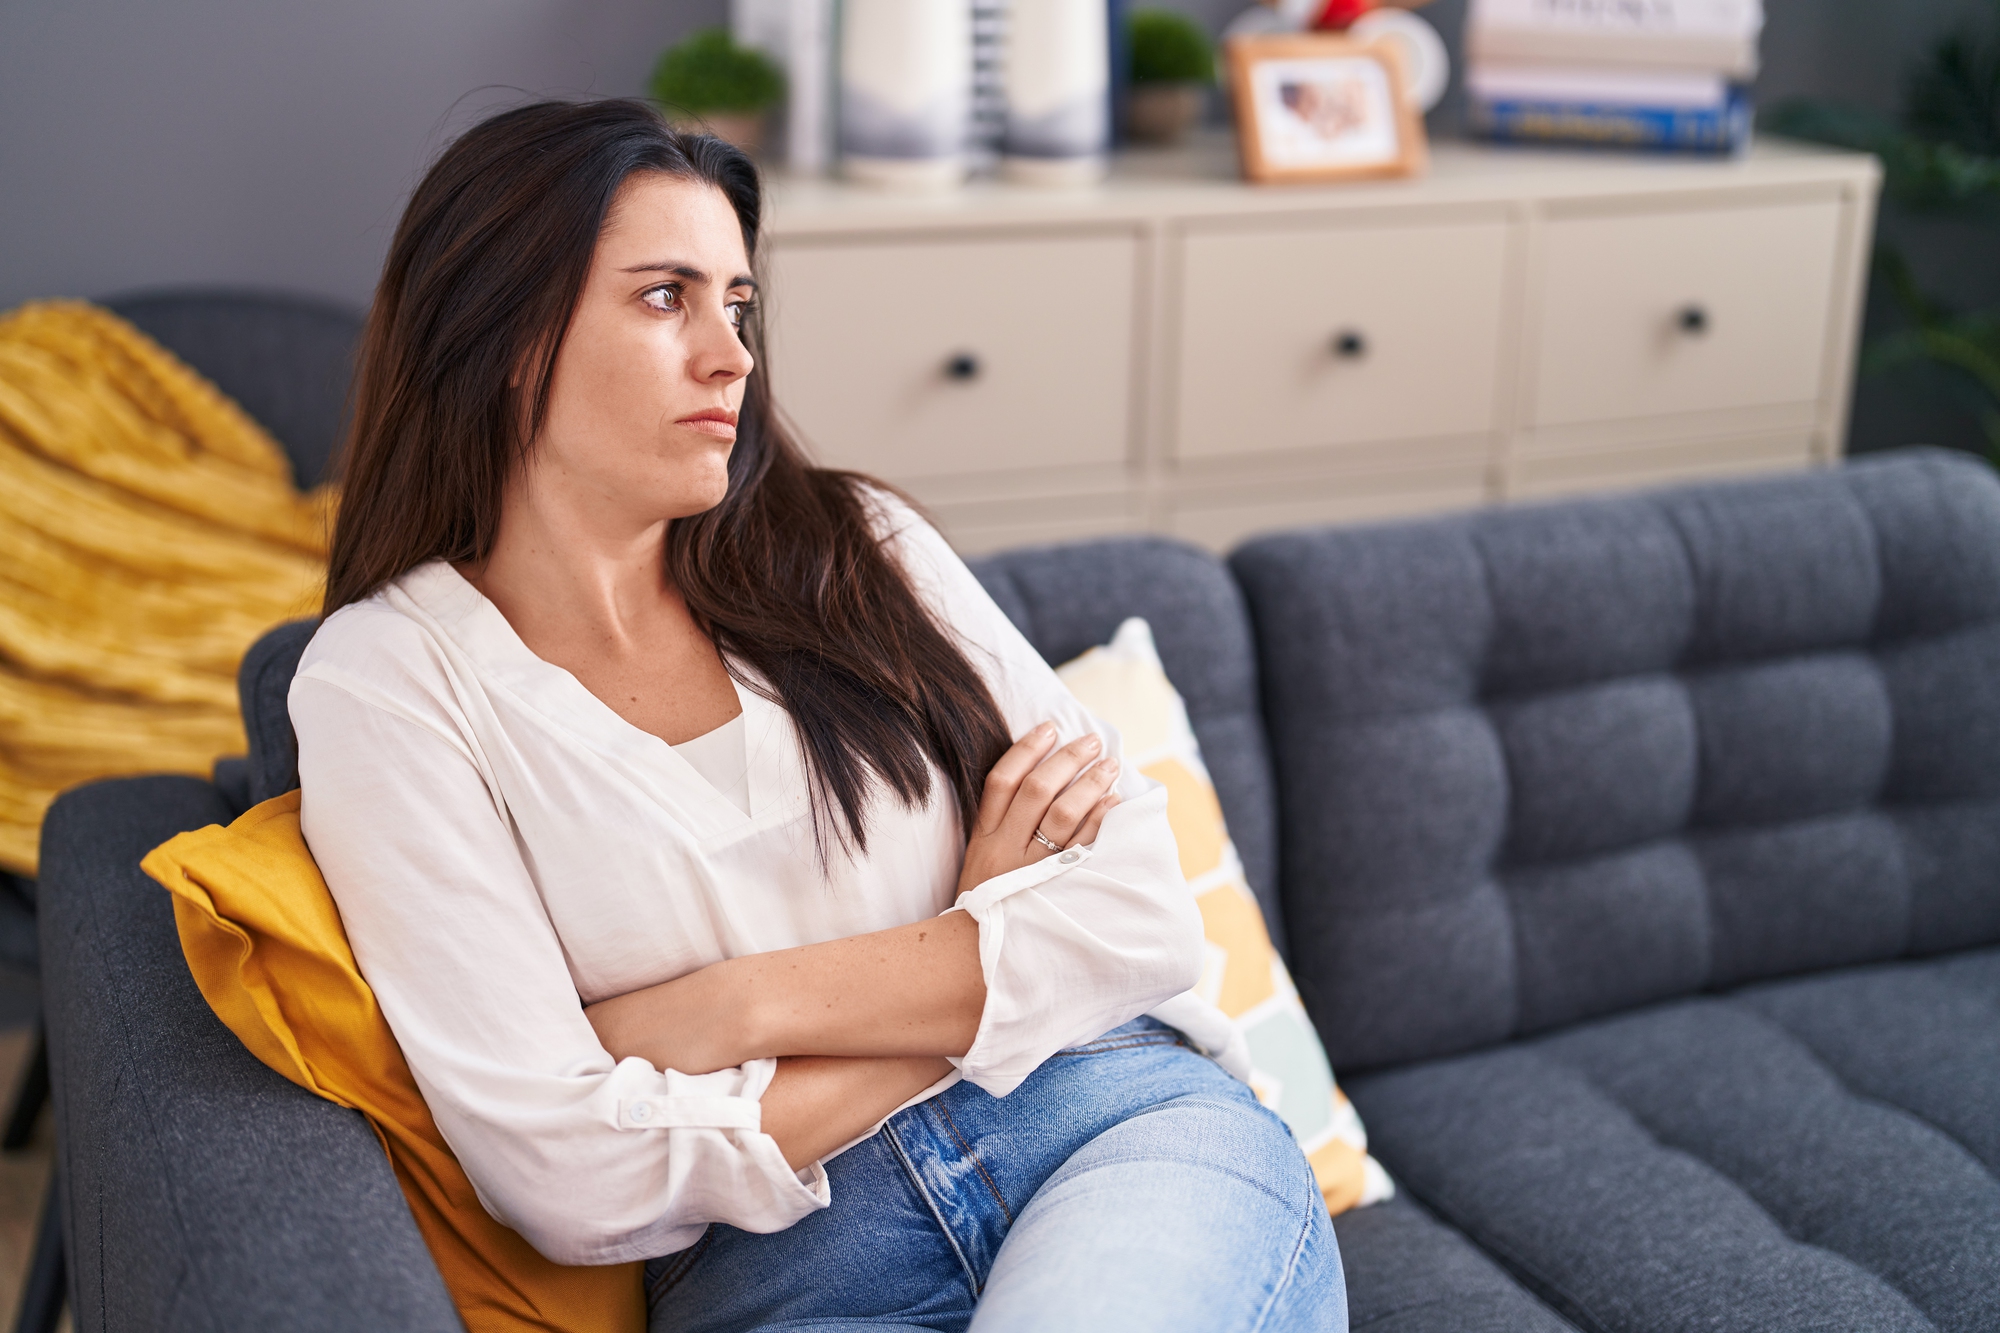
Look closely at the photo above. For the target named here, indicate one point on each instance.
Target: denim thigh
(920, 1209)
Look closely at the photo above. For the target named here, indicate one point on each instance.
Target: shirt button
(639, 1112)
(1071, 857)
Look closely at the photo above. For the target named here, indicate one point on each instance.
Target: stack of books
(1666, 74)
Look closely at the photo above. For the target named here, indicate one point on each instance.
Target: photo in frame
(1322, 107)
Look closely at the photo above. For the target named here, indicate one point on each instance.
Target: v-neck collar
(471, 619)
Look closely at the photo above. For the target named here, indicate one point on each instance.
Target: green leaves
(1169, 48)
(708, 71)
(1942, 158)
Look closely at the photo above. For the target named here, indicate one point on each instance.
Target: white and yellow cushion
(1124, 684)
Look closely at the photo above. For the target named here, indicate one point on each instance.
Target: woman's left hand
(914, 990)
(696, 1024)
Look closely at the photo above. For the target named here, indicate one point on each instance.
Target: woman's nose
(721, 355)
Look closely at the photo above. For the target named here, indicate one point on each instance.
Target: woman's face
(642, 405)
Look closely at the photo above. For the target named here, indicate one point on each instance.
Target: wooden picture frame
(1323, 107)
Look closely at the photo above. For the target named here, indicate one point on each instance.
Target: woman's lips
(722, 425)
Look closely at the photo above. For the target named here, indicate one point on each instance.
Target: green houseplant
(1172, 68)
(707, 81)
(1940, 159)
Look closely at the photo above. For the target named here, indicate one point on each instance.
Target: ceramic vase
(1057, 80)
(905, 91)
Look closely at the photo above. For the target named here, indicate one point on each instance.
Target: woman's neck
(591, 595)
(567, 568)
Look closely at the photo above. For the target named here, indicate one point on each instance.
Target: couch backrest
(1067, 599)
(288, 360)
(1546, 763)
(264, 687)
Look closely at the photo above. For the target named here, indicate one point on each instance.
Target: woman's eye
(664, 299)
(738, 312)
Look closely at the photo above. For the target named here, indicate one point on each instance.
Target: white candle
(1058, 91)
(905, 91)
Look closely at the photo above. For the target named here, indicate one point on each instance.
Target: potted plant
(1941, 161)
(1172, 69)
(708, 82)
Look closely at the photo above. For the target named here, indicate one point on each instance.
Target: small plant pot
(1163, 113)
(745, 129)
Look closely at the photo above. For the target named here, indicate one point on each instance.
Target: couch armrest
(202, 1189)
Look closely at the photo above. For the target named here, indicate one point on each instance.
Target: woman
(668, 790)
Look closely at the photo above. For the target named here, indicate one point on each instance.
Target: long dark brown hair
(786, 575)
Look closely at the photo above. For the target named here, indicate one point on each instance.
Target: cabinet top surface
(1201, 181)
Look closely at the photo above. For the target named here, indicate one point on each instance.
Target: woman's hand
(914, 990)
(1032, 791)
(697, 1023)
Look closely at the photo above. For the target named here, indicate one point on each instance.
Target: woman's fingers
(1039, 789)
(1006, 776)
(1067, 812)
(1086, 832)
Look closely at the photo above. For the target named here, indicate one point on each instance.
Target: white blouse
(505, 849)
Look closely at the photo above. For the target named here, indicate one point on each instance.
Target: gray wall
(266, 142)
(272, 142)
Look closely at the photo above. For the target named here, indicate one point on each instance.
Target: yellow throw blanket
(149, 533)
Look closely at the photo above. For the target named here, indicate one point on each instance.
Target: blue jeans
(1129, 1184)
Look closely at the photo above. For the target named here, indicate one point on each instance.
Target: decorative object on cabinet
(1269, 16)
(1173, 67)
(905, 92)
(1057, 83)
(1669, 74)
(1318, 108)
(1426, 63)
(798, 36)
(1180, 352)
(709, 82)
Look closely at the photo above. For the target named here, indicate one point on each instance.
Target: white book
(1680, 90)
(1719, 35)
(798, 34)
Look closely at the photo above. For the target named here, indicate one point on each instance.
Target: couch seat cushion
(1407, 1272)
(1819, 1153)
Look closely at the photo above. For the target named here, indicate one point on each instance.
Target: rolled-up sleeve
(594, 1160)
(1083, 940)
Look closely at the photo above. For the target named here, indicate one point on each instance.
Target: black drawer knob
(1350, 344)
(1692, 320)
(961, 366)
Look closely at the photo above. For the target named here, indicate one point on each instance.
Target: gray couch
(1638, 859)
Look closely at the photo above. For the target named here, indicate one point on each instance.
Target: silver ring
(1052, 846)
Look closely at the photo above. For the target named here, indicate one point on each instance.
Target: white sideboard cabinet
(1179, 352)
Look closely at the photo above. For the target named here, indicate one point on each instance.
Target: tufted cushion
(1543, 764)
(1068, 599)
(1409, 1273)
(1818, 1153)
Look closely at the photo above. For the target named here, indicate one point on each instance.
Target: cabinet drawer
(1753, 285)
(1263, 315)
(864, 340)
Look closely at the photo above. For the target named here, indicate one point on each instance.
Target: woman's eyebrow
(690, 273)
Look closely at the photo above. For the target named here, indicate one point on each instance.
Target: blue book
(1724, 128)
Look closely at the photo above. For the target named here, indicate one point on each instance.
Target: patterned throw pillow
(1124, 684)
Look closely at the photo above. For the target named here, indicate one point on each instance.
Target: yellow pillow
(1124, 684)
(264, 941)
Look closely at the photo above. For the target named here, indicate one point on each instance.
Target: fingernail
(1046, 729)
(1093, 743)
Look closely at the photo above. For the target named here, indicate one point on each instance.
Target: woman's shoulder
(390, 640)
(907, 533)
(890, 513)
